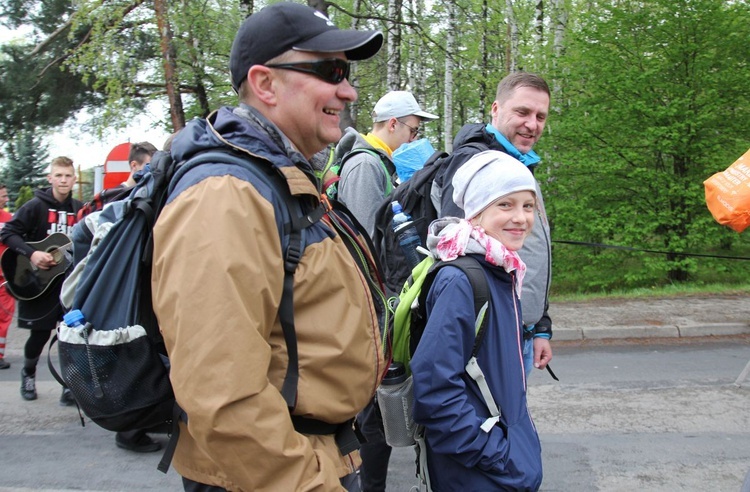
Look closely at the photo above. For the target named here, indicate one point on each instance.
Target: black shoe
(4, 364)
(28, 386)
(66, 399)
(138, 443)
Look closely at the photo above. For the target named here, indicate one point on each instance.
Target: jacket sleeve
(543, 327)
(15, 232)
(441, 402)
(217, 284)
(362, 187)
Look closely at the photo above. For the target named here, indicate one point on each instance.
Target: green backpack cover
(410, 316)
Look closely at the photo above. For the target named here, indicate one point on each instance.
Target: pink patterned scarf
(459, 237)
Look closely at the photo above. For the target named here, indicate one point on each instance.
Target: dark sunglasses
(331, 70)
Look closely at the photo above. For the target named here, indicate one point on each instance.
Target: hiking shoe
(138, 443)
(66, 399)
(28, 386)
(4, 364)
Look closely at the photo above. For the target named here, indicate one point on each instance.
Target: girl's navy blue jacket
(461, 456)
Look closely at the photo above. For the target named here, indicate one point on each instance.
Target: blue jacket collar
(530, 158)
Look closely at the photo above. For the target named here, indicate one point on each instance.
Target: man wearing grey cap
(221, 279)
(367, 171)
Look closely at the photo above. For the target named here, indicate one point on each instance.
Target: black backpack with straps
(115, 364)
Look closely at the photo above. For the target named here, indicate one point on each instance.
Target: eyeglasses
(331, 70)
(414, 131)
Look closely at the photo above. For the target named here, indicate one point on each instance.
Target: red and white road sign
(117, 166)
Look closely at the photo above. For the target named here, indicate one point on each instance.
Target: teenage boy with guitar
(52, 212)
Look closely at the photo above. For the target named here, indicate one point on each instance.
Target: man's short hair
(519, 79)
(62, 161)
(139, 151)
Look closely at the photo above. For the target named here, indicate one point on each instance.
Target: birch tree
(393, 45)
(450, 49)
(511, 57)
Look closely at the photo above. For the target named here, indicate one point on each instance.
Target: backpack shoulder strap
(473, 271)
(375, 154)
(298, 220)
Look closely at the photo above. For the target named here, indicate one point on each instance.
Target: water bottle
(396, 399)
(74, 318)
(79, 362)
(407, 235)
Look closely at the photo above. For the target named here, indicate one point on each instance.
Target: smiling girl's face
(509, 219)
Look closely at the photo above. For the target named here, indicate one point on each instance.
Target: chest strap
(346, 439)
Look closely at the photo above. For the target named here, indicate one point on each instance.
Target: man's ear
(495, 108)
(392, 124)
(260, 82)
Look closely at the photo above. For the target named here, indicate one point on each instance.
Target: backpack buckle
(326, 203)
(293, 254)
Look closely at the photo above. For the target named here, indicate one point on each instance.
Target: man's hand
(45, 261)
(542, 352)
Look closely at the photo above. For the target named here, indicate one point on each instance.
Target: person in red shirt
(7, 302)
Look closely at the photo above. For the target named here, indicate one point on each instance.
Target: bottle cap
(74, 317)
(396, 207)
(396, 374)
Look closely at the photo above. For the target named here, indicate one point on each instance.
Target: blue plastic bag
(411, 156)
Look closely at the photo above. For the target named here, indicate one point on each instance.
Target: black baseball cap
(286, 25)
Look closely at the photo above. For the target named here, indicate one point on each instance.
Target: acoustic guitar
(25, 281)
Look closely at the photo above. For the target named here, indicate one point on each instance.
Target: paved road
(623, 417)
(640, 417)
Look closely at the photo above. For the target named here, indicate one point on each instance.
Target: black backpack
(116, 364)
(414, 197)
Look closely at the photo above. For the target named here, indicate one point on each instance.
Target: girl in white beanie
(464, 452)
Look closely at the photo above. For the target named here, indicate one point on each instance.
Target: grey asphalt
(45, 447)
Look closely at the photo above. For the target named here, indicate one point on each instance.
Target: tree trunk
(511, 60)
(484, 53)
(348, 117)
(176, 110)
(393, 70)
(539, 24)
(561, 21)
(247, 7)
(319, 5)
(448, 93)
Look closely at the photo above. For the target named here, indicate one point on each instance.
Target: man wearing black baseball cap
(222, 287)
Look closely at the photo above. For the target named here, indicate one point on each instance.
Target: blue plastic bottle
(406, 233)
(74, 318)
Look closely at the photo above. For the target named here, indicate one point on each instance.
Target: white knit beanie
(486, 177)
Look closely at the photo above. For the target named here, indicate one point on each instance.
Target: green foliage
(648, 92)
(25, 194)
(26, 163)
(85, 185)
(650, 98)
(35, 94)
